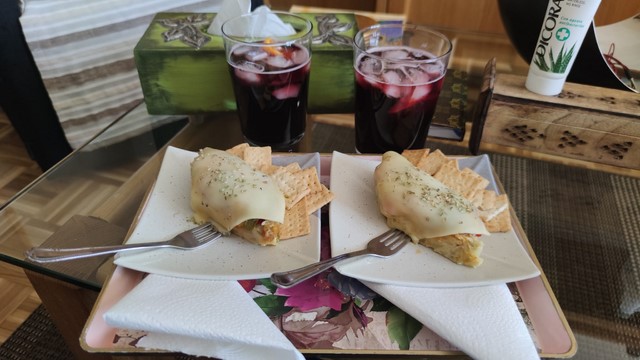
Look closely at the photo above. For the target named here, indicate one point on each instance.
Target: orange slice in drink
(272, 50)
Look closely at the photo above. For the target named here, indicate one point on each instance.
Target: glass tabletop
(582, 223)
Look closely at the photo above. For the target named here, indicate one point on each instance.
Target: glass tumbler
(270, 75)
(399, 71)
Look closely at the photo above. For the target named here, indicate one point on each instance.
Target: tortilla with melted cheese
(234, 197)
(428, 211)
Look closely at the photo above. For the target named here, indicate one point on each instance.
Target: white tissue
(202, 318)
(228, 10)
(484, 322)
(264, 24)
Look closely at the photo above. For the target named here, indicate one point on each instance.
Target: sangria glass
(270, 77)
(399, 71)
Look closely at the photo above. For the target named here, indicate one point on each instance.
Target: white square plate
(355, 219)
(168, 212)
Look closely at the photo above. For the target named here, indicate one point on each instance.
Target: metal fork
(189, 239)
(383, 245)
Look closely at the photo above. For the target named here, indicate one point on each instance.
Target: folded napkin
(484, 322)
(202, 318)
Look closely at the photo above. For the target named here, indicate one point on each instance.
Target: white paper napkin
(263, 25)
(228, 10)
(484, 322)
(202, 318)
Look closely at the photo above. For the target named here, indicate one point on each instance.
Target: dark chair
(23, 96)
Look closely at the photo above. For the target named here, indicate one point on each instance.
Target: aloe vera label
(558, 38)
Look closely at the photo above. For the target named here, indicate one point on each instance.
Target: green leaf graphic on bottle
(557, 64)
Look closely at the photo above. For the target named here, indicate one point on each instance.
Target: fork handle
(45, 255)
(290, 278)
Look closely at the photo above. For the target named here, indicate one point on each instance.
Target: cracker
(238, 150)
(296, 221)
(433, 162)
(318, 199)
(414, 156)
(497, 204)
(471, 183)
(303, 191)
(485, 199)
(293, 185)
(501, 200)
(448, 174)
(464, 182)
(270, 169)
(318, 195)
(293, 167)
(257, 156)
(313, 182)
(500, 223)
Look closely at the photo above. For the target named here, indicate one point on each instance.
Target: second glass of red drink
(270, 75)
(399, 70)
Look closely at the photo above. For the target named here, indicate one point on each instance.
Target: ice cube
(421, 55)
(256, 55)
(418, 76)
(250, 66)
(287, 92)
(241, 50)
(392, 77)
(249, 77)
(420, 93)
(299, 57)
(400, 68)
(393, 91)
(396, 54)
(370, 66)
(279, 61)
(435, 70)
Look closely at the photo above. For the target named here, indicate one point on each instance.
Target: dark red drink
(271, 85)
(396, 94)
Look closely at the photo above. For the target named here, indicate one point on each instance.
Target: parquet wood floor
(17, 297)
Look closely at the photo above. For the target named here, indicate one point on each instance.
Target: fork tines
(390, 236)
(203, 231)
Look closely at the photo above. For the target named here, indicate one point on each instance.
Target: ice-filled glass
(269, 68)
(399, 71)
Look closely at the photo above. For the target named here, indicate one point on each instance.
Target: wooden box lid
(583, 122)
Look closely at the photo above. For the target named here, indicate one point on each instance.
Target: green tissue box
(188, 72)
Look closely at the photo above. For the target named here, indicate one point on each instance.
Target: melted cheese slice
(418, 204)
(227, 191)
